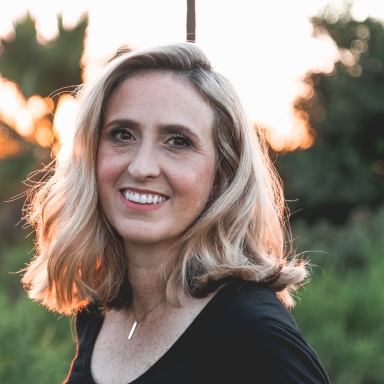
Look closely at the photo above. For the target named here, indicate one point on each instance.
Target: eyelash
(114, 132)
(186, 141)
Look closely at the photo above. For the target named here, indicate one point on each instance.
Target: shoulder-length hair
(242, 232)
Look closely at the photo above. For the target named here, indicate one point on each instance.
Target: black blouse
(243, 335)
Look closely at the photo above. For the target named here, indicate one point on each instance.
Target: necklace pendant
(132, 330)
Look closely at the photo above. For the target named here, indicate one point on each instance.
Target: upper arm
(281, 354)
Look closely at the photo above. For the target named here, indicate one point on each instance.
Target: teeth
(143, 199)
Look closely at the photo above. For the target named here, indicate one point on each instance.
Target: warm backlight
(264, 48)
(64, 124)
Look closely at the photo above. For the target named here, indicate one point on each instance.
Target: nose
(144, 164)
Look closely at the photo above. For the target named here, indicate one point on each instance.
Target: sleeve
(75, 370)
(88, 323)
(281, 354)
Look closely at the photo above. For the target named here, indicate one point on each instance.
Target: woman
(164, 233)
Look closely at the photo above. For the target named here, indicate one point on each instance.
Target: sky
(264, 47)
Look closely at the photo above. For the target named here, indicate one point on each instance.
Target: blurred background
(310, 73)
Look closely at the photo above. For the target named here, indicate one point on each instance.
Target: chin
(144, 237)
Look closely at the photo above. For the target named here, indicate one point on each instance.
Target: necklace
(135, 324)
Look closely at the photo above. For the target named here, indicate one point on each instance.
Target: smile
(143, 198)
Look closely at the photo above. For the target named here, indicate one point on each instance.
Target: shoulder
(87, 315)
(262, 332)
(88, 322)
(248, 303)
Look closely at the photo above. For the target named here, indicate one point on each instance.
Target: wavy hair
(242, 232)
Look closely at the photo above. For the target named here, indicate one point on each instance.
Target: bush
(37, 346)
(341, 310)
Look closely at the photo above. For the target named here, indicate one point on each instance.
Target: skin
(157, 137)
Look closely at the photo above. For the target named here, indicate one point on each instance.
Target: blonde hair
(242, 232)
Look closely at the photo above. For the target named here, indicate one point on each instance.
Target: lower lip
(140, 207)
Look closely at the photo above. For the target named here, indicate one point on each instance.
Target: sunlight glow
(13, 108)
(43, 134)
(64, 124)
(264, 48)
(24, 122)
(28, 117)
(265, 54)
(137, 24)
(37, 106)
(8, 147)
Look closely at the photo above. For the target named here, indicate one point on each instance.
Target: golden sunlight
(13, 108)
(27, 117)
(266, 54)
(37, 106)
(64, 124)
(264, 48)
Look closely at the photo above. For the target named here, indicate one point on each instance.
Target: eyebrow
(123, 122)
(178, 128)
(166, 128)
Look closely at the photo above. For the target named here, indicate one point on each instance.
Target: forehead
(159, 95)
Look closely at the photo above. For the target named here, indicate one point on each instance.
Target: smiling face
(156, 158)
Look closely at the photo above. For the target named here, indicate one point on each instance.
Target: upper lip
(143, 191)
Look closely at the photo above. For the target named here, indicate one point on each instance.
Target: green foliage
(13, 171)
(42, 69)
(36, 346)
(341, 310)
(33, 348)
(38, 69)
(345, 168)
(16, 169)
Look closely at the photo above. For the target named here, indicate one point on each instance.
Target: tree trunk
(191, 21)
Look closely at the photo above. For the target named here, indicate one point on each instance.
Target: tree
(42, 69)
(38, 70)
(345, 167)
(34, 343)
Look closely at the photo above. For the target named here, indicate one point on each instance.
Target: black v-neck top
(243, 335)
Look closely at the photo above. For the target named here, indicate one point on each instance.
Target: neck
(145, 268)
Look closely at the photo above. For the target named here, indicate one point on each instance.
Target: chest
(115, 359)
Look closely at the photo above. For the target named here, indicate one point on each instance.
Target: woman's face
(156, 158)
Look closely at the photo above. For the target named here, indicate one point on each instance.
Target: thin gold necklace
(136, 323)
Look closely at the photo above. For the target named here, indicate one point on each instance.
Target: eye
(179, 141)
(121, 135)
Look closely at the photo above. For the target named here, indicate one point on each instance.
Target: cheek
(107, 169)
(194, 185)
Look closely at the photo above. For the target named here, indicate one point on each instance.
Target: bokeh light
(37, 106)
(27, 117)
(64, 123)
(43, 133)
